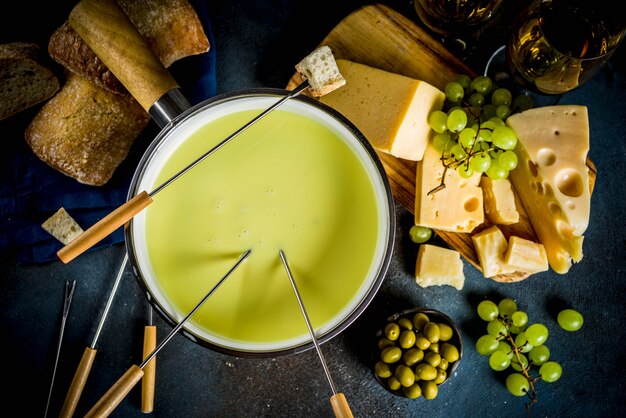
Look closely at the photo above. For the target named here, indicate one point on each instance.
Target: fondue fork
(338, 400)
(148, 380)
(128, 210)
(86, 361)
(116, 393)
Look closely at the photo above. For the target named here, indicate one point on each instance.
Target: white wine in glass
(557, 45)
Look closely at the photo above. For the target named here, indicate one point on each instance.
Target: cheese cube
(524, 255)
(391, 110)
(456, 208)
(552, 178)
(499, 201)
(491, 245)
(438, 266)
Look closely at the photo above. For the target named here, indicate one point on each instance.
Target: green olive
(444, 364)
(433, 359)
(384, 343)
(429, 389)
(434, 347)
(419, 320)
(412, 356)
(405, 323)
(425, 371)
(431, 332)
(393, 383)
(382, 369)
(405, 375)
(449, 352)
(421, 342)
(391, 354)
(445, 332)
(413, 391)
(407, 339)
(441, 376)
(392, 331)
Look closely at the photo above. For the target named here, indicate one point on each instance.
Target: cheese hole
(540, 189)
(557, 133)
(471, 204)
(570, 205)
(570, 183)
(546, 157)
(532, 168)
(555, 209)
(548, 190)
(564, 229)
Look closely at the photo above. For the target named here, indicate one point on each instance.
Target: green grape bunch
(512, 342)
(470, 131)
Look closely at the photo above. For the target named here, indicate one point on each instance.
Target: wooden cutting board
(380, 37)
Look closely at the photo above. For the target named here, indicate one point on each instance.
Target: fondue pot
(303, 180)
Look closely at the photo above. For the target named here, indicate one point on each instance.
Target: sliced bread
(85, 131)
(24, 78)
(321, 71)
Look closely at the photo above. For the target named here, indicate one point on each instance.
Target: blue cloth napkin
(31, 191)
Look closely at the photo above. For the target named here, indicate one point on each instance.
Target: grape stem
(532, 394)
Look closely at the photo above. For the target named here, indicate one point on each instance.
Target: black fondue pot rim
(380, 275)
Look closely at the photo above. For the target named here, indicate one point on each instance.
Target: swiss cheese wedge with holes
(552, 178)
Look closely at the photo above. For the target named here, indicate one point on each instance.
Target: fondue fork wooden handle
(148, 380)
(116, 393)
(104, 227)
(340, 406)
(104, 26)
(78, 383)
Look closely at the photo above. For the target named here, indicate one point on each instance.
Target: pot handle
(104, 26)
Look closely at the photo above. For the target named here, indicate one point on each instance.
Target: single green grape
(487, 310)
(501, 96)
(522, 102)
(457, 120)
(508, 160)
(420, 234)
(441, 140)
(570, 320)
(490, 125)
(522, 343)
(464, 80)
(497, 121)
(499, 361)
(503, 111)
(482, 84)
(467, 137)
(496, 328)
(506, 307)
(516, 330)
(486, 345)
(480, 162)
(519, 318)
(458, 152)
(539, 355)
(504, 137)
(438, 121)
(536, 334)
(484, 134)
(517, 384)
(464, 171)
(454, 91)
(476, 100)
(516, 365)
(496, 171)
(550, 371)
(506, 349)
(488, 111)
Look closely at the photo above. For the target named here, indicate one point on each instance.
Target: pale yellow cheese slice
(391, 110)
(499, 201)
(552, 178)
(491, 245)
(456, 208)
(525, 255)
(438, 266)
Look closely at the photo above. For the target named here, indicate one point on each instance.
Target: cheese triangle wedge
(552, 178)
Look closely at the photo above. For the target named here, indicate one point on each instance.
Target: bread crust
(171, 28)
(85, 131)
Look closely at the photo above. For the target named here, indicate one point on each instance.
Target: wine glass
(459, 23)
(555, 46)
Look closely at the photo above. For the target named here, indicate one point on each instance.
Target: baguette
(171, 29)
(85, 131)
(24, 78)
(321, 71)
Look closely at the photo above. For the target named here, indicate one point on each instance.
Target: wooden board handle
(340, 406)
(149, 377)
(104, 26)
(116, 394)
(78, 383)
(104, 227)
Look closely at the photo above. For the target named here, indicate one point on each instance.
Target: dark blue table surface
(258, 43)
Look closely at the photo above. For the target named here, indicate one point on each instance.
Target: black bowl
(434, 316)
